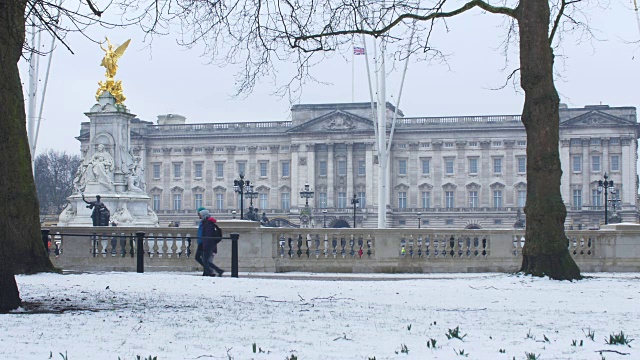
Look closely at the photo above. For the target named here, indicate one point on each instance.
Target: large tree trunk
(545, 251)
(21, 248)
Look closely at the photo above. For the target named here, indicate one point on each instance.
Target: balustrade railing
(341, 250)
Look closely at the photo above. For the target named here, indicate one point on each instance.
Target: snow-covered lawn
(321, 316)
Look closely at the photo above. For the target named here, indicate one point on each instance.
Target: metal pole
(234, 254)
(45, 239)
(606, 190)
(140, 252)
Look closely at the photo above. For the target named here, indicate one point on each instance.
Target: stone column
(297, 178)
(231, 174)
(188, 202)
(586, 171)
(461, 175)
(273, 178)
(350, 169)
(166, 178)
(307, 165)
(209, 171)
(604, 143)
(509, 172)
(438, 175)
(629, 170)
(486, 174)
(413, 164)
(330, 176)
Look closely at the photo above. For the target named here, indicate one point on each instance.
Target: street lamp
(306, 194)
(355, 202)
(419, 214)
(606, 187)
(251, 195)
(240, 186)
(324, 218)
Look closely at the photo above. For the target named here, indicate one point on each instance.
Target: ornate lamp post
(419, 215)
(606, 186)
(324, 218)
(355, 202)
(306, 194)
(240, 186)
(251, 195)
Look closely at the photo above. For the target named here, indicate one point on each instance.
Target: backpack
(217, 233)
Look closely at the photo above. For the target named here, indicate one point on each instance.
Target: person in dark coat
(200, 249)
(210, 239)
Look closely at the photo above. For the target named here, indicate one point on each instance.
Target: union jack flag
(358, 50)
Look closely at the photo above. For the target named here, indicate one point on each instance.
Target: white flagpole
(353, 72)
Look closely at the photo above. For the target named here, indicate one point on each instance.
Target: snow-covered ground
(321, 316)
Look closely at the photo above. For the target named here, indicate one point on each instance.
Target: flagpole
(353, 71)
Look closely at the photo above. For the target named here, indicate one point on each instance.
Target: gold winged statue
(110, 63)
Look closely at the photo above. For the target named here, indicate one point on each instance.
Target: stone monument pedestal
(110, 169)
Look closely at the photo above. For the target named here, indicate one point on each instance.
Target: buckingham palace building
(445, 172)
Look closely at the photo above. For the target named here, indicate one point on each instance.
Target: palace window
(473, 199)
(322, 168)
(402, 199)
(595, 163)
(402, 167)
(473, 165)
(197, 172)
(577, 163)
(426, 199)
(615, 162)
(219, 170)
(497, 198)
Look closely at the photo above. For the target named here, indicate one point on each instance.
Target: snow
(319, 316)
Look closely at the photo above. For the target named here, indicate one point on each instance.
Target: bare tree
(257, 33)
(54, 174)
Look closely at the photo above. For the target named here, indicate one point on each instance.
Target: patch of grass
(618, 339)
(575, 343)
(530, 335)
(502, 351)
(590, 334)
(531, 356)
(460, 352)
(403, 349)
(455, 333)
(431, 343)
(409, 327)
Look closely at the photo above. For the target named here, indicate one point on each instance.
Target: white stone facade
(464, 171)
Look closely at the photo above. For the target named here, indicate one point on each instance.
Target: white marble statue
(152, 215)
(68, 213)
(100, 168)
(80, 179)
(123, 215)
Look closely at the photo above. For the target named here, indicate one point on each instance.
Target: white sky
(171, 79)
(177, 316)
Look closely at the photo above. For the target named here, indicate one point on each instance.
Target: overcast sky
(169, 79)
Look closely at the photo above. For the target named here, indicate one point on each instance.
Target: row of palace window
(361, 168)
(263, 167)
(596, 197)
(596, 164)
(343, 202)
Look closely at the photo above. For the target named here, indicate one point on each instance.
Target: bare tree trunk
(20, 240)
(545, 251)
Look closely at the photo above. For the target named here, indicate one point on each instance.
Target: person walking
(211, 236)
(200, 249)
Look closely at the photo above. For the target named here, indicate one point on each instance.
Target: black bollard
(234, 254)
(140, 251)
(45, 239)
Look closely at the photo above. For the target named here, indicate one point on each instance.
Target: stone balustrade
(398, 250)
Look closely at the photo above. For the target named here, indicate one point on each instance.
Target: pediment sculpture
(340, 123)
